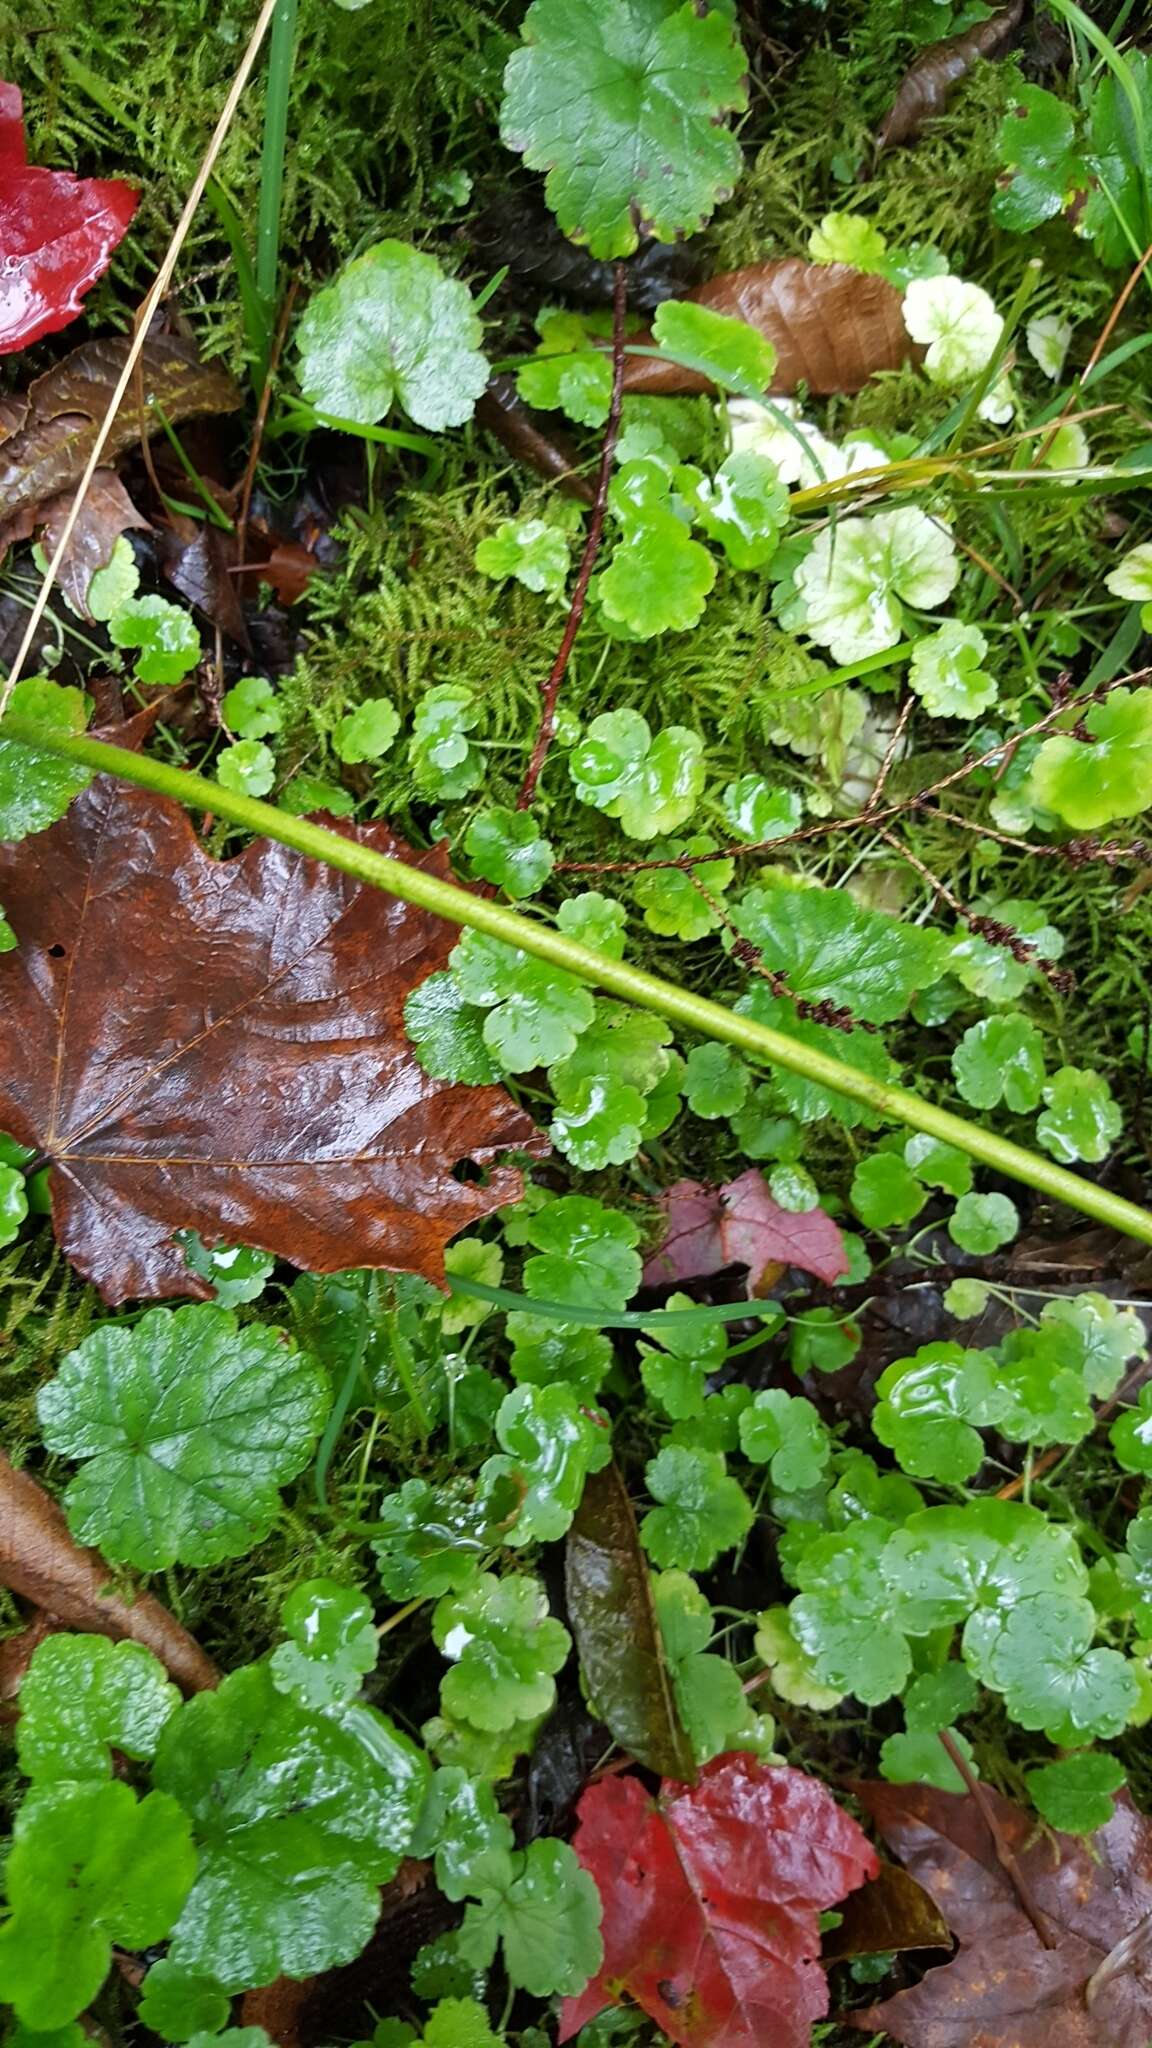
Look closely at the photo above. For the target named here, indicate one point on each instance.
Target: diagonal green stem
(680, 1006)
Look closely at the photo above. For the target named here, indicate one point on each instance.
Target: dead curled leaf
(40, 1562)
(832, 327)
(1004, 1989)
(220, 1045)
(613, 1617)
(928, 84)
(45, 452)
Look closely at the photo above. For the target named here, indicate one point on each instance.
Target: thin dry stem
(141, 326)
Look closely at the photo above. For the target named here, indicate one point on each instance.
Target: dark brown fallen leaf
(40, 1562)
(928, 85)
(288, 568)
(199, 560)
(1092, 1989)
(517, 428)
(278, 2008)
(106, 513)
(220, 1045)
(832, 327)
(610, 1607)
(47, 452)
(889, 1914)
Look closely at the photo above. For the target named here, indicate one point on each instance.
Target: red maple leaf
(712, 1900)
(57, 234)
(741, 1225)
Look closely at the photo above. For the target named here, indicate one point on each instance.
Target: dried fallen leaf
(930, 82)
(57, 234)
(832, 327)
(40, 1562)
(618, 1638)
(220, 1045)
(47, 452)
(106, 513)
(1091, 1989)
(741, 1225)
(519, 430)
(712, 1898)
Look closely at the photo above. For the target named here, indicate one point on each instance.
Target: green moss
(382, 102)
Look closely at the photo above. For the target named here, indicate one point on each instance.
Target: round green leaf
(392, 329)
(299, 1818)
(189, 1426)
(624, 111)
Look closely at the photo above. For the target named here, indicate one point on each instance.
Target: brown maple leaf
(220, 1045)
(1005, 1989)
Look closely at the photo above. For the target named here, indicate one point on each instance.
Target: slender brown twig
(261, 420)
(868, 816)
(550, 690)
(144, 314)
(1005, 1856)
(895, 739)
(1130, 1384)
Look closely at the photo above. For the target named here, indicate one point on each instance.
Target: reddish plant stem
(1129, 1385)
(1005, 1855)
(874, 818)
(250, 466)
(550, 690)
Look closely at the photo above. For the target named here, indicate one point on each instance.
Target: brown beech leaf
(220, 1045)
(40, 1562)
(832, 327)
(520, 431)
(929, 84)
(1091, 1989)
(46, 453)
(741, 1225)
(618, 1638)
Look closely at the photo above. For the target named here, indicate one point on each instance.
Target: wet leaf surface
(40, 1562)
(712, 1897)
(928, 84)
(47, 449)
(613, 1618)
(1091, 1989)
(220, 1046)
(887, 1915)
(831, 327)
(57, 232)
(741, 1224)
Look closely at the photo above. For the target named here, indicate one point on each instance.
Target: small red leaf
(57, 234)
(741, 1225)
(712, 1897)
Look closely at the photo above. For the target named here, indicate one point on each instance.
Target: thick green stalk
(281, 58)
(681, 1007)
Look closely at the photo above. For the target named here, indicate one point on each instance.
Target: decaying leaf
(832, 327)
(46, 452)
(889, 1914)
(928, 85)
(40, 1562)
(618, 1638)
(199, 560)
(1091, 1989)
(57, 234)
(106, 513)
(741, 1225)
(219, 1045)
(712, 1897)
